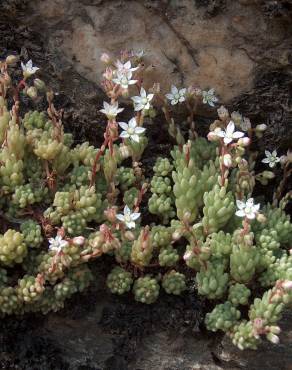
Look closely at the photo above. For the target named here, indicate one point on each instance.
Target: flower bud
(39, 84)
(105, 58)
(268, 175)
(236, 117)
(212, 136)
(223, 113)
(227, 160)
(176, 235)
(11, 59)
(79, 240)
(110, 214)
(244, 141)
(261, 128)
(186, 217)
(124, 151)
(261, 218)
(187, 255)
(108, 74)
(275, 329)
(273, 338)
(129, 235)
(287, 285)
(32, 92)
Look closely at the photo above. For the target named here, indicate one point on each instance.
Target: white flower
(131, 130)
(247, 209)
(209, 97)
(271, 158)
(28, 68)
(125, 67)
(124, 79)
(142, 102)
(245, 124)
(176, 96)
(111, 110)
(57, 244)
(128, 218)
(229, 135)
(139, 53)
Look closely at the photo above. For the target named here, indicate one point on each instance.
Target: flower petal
(138, 107)
(140, 130)
(124, 134)
(220, 133)
(237, 134)
(143, 92)
(120, 217)
(174, 89)
(240, 204)
(227, 140)
(230, 128)
(127, 210)
(135, 137)
(123, 125)
(130, 225)
(240, 213)
(250, 216)
(135, 216)
(267, 153)
(132, 122)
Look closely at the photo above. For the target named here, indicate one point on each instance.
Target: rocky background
(241, 48)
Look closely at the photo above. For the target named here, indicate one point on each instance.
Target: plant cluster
(64, 205)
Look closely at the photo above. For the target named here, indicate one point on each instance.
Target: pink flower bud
(187, 255)
(287, 285)
(79, 240)
(227, 160)
(212, 136)
(244, 141)
(105, 58)
(110, 214)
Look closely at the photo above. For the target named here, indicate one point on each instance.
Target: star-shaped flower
(229, 135)
(57, 244)
(142, 102)
(209, 97)
(125, 67)
(111, 110)
(271, 158)
(131, 130)
(128, 218)
(28, 69)
(176, 96)
(247, 209)
(124, 79)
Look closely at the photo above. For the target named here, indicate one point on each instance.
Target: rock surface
(221, 45)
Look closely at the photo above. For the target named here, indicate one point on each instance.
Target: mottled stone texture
(209, 43)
